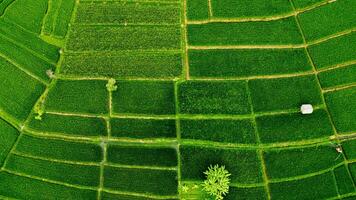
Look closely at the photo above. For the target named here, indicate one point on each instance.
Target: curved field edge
(181, 104)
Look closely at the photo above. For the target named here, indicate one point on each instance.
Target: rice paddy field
(135, 99)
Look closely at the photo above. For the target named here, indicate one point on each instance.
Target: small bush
(217, 182)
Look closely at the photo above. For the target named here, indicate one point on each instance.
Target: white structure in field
(306, 109)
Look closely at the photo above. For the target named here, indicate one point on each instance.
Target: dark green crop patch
(343, 109)
(70, 125)
(7, 137)
(144, 97)
(294, 127)
(218, 97)
(83, 96)
(301, 161)
(195, 160)
(343, 180)
(143, 128)
(218, 130)
(284, 93)
(247, 62)
(144, 156)
(59, 149)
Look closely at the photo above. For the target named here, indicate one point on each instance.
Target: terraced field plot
(135, 99)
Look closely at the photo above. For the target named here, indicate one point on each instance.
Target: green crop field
(136, 99)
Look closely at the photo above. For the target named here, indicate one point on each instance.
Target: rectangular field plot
(112, 196)
(328, 19)
(284, 93)
(334, 51)
(148, 181)
(197, 9)
(344, 180)
(144, 97)
(119, 65)
(342, 108)
(27, 13)
(83, 96)
(19, 91)
(29, 41)
(278, 32)
(20, 187)
(302, 160)
(315, 187)
(24, 59)
(352, 168)
(118, 38)
(8, 137)
(246, 62)
(59, 149)
(65, 173)
(349, 148)
(139, 155)
(71, 125)
(256, 193)
(57, 18)
(243, 165)
(249, 8)
(293, 127)
(218, 130)
(143, 128)
(218, 97)
(120, 12)
(338, 77)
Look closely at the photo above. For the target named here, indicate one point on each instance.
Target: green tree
(217, 181)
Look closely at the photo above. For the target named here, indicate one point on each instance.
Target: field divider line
(236, 185)
(309, 175)
(33, 53)
(227, 47)
(331, 120)
(335, 183)
(337, 66)
(184, 19)
(148, 196)
(143, 167)
(130, 1)
(25, 155)
(330, 37)
(352, 194)
(33, 76)
(258, 141)
(337, 88)
(49, 180)
(345, 136)
(97, 139)
(210, 9)
(10, 120)
(181, 116)
(178, 135)
(49, 5)
(128, 24)
(114, 53)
